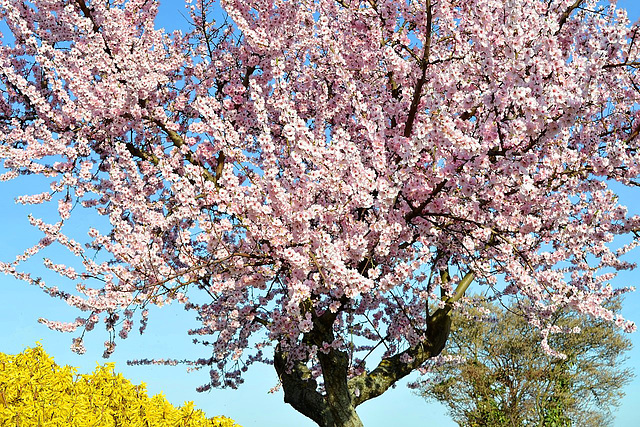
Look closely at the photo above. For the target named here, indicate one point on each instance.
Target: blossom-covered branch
(323, 182)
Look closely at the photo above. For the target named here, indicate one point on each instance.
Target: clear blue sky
(251, 405)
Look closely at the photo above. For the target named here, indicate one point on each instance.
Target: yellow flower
(36, 391)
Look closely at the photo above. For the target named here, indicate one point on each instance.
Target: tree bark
(300, 390)
(335, 407)
(335, 366)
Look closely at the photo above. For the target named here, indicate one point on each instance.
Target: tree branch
(417, 93)
(142, 154)
(567, 13)
(300, 387)
(462, 288)
(175, 138)
(300, 390)
(179, 142)
(87, 14)
(391, 369)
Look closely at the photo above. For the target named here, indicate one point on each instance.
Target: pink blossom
(309, 162)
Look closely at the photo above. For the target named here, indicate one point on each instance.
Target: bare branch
(567, 13)
(417, 93)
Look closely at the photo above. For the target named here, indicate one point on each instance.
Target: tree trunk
(334, 409)
(335, 366)
(337, 406)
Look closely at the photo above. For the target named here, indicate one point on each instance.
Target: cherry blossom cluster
(306, 157)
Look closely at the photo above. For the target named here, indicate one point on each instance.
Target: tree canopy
(318, 180)
(502, 377)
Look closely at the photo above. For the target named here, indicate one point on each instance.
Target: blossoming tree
(326, 178)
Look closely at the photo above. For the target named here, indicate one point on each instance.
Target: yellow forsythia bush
(34, 391)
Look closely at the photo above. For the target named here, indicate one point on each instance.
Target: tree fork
(337, 408)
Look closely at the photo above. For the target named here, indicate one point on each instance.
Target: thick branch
(417, 93)
(335, 367)
(247, 76)
(141, 154)
(334, 409)
(219, 168)
(632, 64)
(179, 142)
(300, 390)
(462, 288)
(394, 368)
(87, 14)
(567, 13)
(633, 135)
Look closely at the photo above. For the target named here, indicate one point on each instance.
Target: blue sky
(21, 305)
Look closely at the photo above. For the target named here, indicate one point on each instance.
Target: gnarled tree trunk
(336, 407)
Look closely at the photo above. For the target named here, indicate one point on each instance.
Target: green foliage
(506, 379)
(36, 391)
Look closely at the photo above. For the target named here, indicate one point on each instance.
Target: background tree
(503, 378)
(320, 179)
